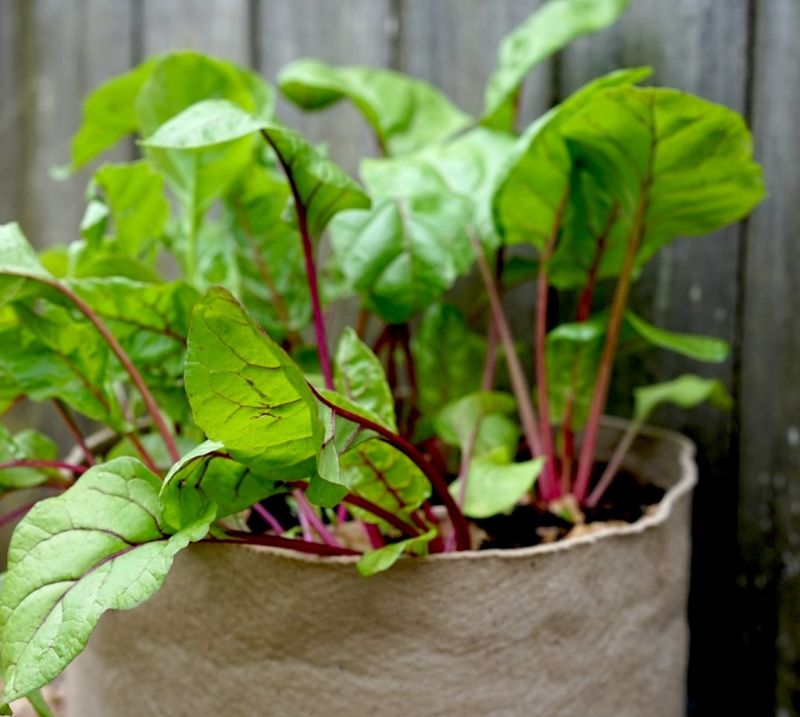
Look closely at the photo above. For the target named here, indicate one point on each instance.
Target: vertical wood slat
(769, 502)
(699, 46)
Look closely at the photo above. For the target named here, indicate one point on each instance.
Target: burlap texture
(592, 626)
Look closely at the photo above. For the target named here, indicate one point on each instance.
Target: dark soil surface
(626, 500)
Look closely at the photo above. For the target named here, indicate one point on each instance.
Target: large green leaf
(208, 478)
(466, 167)
(701, 348)
(405, 113)
(101, 545)
(494, 485)
(673, 163)
(109, 114)
(402, 254)
(686, 391)
(529, 202)
(549, 29)
(442, 332)
(359, 376)
(246, 393)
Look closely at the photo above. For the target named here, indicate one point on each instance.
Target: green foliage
(102, 545)
(383, 558)
(25, 445)
(480, 420)
(406, 114)
(686, 391)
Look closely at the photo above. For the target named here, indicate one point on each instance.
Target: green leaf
(443, 332)
(17, 256)
(109, 114)
(474, 419)
(246, 393)
(529, 202)
(495, 486)
(673, 163)
(380, 473)
(548, 30)
(101, 545)
(39, 704)
(207, 478)
(323, 188)
(467, 167)
(404, 253)
(701, 348)
(25, 445)
(573, 352)
(205, 124)
(686, 391)
(359, 376)
(383, 558)
(405, 113)
(139, 208)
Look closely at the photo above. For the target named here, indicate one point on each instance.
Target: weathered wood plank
(769, 494)
(699, 46)
(216, 27)
(347, 32)
(12, 109)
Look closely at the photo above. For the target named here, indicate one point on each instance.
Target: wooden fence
(745, 606)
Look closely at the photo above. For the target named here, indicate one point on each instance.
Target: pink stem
(74, 430)
(40, 463)
(311, 271)
(373, 534)
(270, 519)
(305, 508)
(613, 464)
(15, 514)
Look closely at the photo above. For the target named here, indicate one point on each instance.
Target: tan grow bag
(592, 626)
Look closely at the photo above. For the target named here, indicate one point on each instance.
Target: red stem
(74, 430)
(437, 481)
(385, 515)
(241, 537)
(311, 270)
(313, 519)
(41, 463)
(14, 514)
(144, 453)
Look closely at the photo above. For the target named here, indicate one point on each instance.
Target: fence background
(745, 604)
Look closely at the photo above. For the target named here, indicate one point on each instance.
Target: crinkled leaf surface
(246, 393)
(25, 445)
(494, 485)
(549, 29)
(405, 113)
(402, 254)
(323, 188)
(443, 332)
(359, 375)
(102, 545)
(376, 561)
(701, 348)
(686, 391)
(386, 477)
(208, 478)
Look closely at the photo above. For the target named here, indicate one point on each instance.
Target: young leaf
(109, 114)
(443, 331)
(549, 29)
(246, 393)
(323, 188)
(405, 113)
(701, 348)
(208, 478)
(101, 545)
(403, 254)
(495, 486)
(376, 561)
(386, 477)
(573, 351)
(359, 376)
(686, 391)
(25, 445)
(473, 420)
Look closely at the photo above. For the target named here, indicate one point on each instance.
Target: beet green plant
(236, 413)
